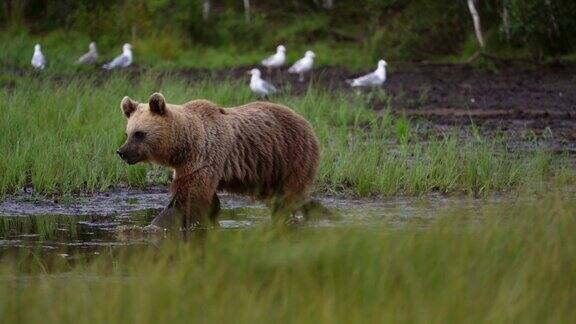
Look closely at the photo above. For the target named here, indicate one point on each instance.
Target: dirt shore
(524, 102)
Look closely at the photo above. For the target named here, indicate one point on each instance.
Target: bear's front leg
(170, 218)
(195, 199)
(195, 211)
(174, 216)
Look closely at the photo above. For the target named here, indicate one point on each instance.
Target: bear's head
(148, 131)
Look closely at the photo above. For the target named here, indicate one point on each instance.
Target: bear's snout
(127, 156)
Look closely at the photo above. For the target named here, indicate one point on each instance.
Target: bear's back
(275, 150)
(202, 107)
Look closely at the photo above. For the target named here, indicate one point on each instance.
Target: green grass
(166, 52)
(505, 263)
(60, 135)
(46, 226)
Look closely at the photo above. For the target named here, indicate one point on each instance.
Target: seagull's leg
(382, 93)
(282, 74)
(372, 93)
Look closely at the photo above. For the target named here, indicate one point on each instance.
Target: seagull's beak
(249, 72)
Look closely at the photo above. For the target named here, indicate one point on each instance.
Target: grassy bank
(60, 136)
(165, 53)
(62, 49)
(512, 263)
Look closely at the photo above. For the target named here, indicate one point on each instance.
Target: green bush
(396, 29)
(545, 28)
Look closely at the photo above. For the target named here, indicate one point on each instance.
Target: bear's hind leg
(215, 210)
(285, 208)
(313, 209)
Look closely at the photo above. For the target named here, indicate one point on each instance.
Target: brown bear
(261, 149)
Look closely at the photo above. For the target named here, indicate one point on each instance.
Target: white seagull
(303, 65)
(121, 61)
(91, 57)
(38, 59)
(277, 60)
(259, 86)
(374, 79)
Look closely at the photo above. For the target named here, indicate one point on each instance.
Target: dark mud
(534, 106)
(523, 102)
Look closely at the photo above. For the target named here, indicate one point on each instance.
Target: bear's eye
(139, 135)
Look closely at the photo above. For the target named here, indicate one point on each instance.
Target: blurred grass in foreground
(505, 263)
(60, 135)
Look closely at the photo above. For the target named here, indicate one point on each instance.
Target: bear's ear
(128, 106)
(157, 103)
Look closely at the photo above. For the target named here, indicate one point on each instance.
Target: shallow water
(89, 224)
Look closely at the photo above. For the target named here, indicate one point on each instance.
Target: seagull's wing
(83, 58)
(42, 60)
(276, 60)
(38, 61)
(297, 66)
(88, 58)
(269, 60)
(367, 80)
(269, 87)
(258, 88)
(120, 61)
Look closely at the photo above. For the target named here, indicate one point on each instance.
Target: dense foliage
(401, 29)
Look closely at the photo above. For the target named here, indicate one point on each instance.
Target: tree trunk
(8, 11)
(205, 9)
(552, 17)
(476, 19)
(247, 10)
(506, 22)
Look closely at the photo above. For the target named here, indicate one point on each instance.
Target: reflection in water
(59, 231)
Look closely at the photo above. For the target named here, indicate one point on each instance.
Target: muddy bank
(522, 102)
(120, 202)
(116, 201)
(536, 91)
